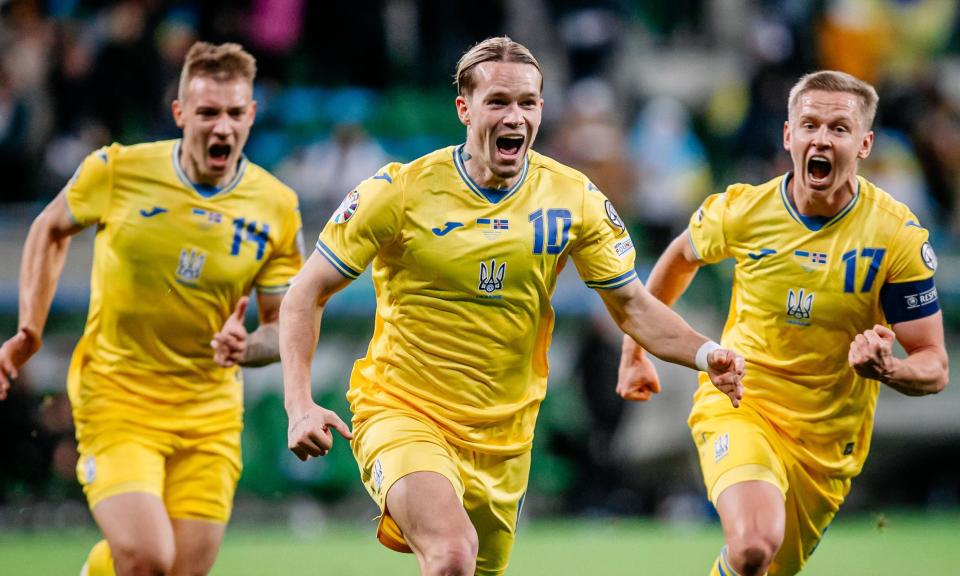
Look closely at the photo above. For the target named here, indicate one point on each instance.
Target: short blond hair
(222, 62)
(496, 49)
(833, 81)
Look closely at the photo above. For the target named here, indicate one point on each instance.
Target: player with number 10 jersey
(482, 265)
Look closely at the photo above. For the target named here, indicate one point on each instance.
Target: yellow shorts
(391, 445)
(739, 445)
(194, 475)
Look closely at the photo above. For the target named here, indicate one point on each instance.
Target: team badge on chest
(799, 307)
(491, 279)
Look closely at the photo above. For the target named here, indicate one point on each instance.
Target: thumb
(241, 309)
(884, 332)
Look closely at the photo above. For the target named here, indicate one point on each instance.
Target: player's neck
(481, 174)
(810, 202)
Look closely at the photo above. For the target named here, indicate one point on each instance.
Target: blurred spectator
(893, 166)
(14, 161)
(590, 138)
(324, 172)
(673, 172)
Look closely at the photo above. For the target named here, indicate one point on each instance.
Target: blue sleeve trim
(337, 262)
(621, 280)
(909, 300)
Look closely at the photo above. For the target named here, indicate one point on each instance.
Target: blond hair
(833, 81)
(222, 62)
(497, 49)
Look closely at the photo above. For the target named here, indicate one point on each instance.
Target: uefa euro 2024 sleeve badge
(347, 208)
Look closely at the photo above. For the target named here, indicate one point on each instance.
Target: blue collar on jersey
(814, 223)
(492, 195)
(206, 190)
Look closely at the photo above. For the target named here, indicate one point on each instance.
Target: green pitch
(902, 544)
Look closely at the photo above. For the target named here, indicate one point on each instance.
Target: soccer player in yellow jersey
(185, 229)
(830, 270)
(466, 244)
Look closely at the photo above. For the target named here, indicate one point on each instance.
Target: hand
(230, 343)
(637, 377)
(14, 353)
(726, 369)
(309, 433)
(871, 353)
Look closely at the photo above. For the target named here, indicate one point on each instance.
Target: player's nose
(513, 116)
(222, 126)
(821, 137)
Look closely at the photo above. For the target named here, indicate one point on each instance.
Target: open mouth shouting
(219, 154)
(509, 147)
(819, 169)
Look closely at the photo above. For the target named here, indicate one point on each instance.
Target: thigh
(197, 545)
(201, 477)
(811, 504)
(394, 446)
(493, 497)
(427, 510)
(752, 510)
(135, 525)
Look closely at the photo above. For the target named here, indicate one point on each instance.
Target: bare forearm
(299, 333)
(923, 372)
(658, 329)
(44, 255)
(263, 346)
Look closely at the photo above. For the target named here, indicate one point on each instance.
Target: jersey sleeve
(707, 229)
(604, 253)
(90, 188)
(286, 258)
(368, 219)
(908, 292)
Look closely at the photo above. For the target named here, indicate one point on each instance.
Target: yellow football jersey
(170, 262)
(803, 288)
(463, 278)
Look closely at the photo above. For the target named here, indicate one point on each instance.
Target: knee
(751, 552)
(453, 556)
(142, 560)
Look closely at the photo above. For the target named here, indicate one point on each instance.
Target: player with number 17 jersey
(482, 265)
(804, 288)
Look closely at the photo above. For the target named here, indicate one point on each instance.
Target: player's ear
(253, 111)
(786, 135)
(463, 110)
(865, 146)
(177, 110)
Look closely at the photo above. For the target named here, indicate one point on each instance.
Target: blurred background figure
(673, 172)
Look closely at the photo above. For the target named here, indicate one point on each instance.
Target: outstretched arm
(666, 335)
(669, 279)
(44, 254)
(308, 431)
(923, 371)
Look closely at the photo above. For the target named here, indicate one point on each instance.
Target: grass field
(909, 544)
